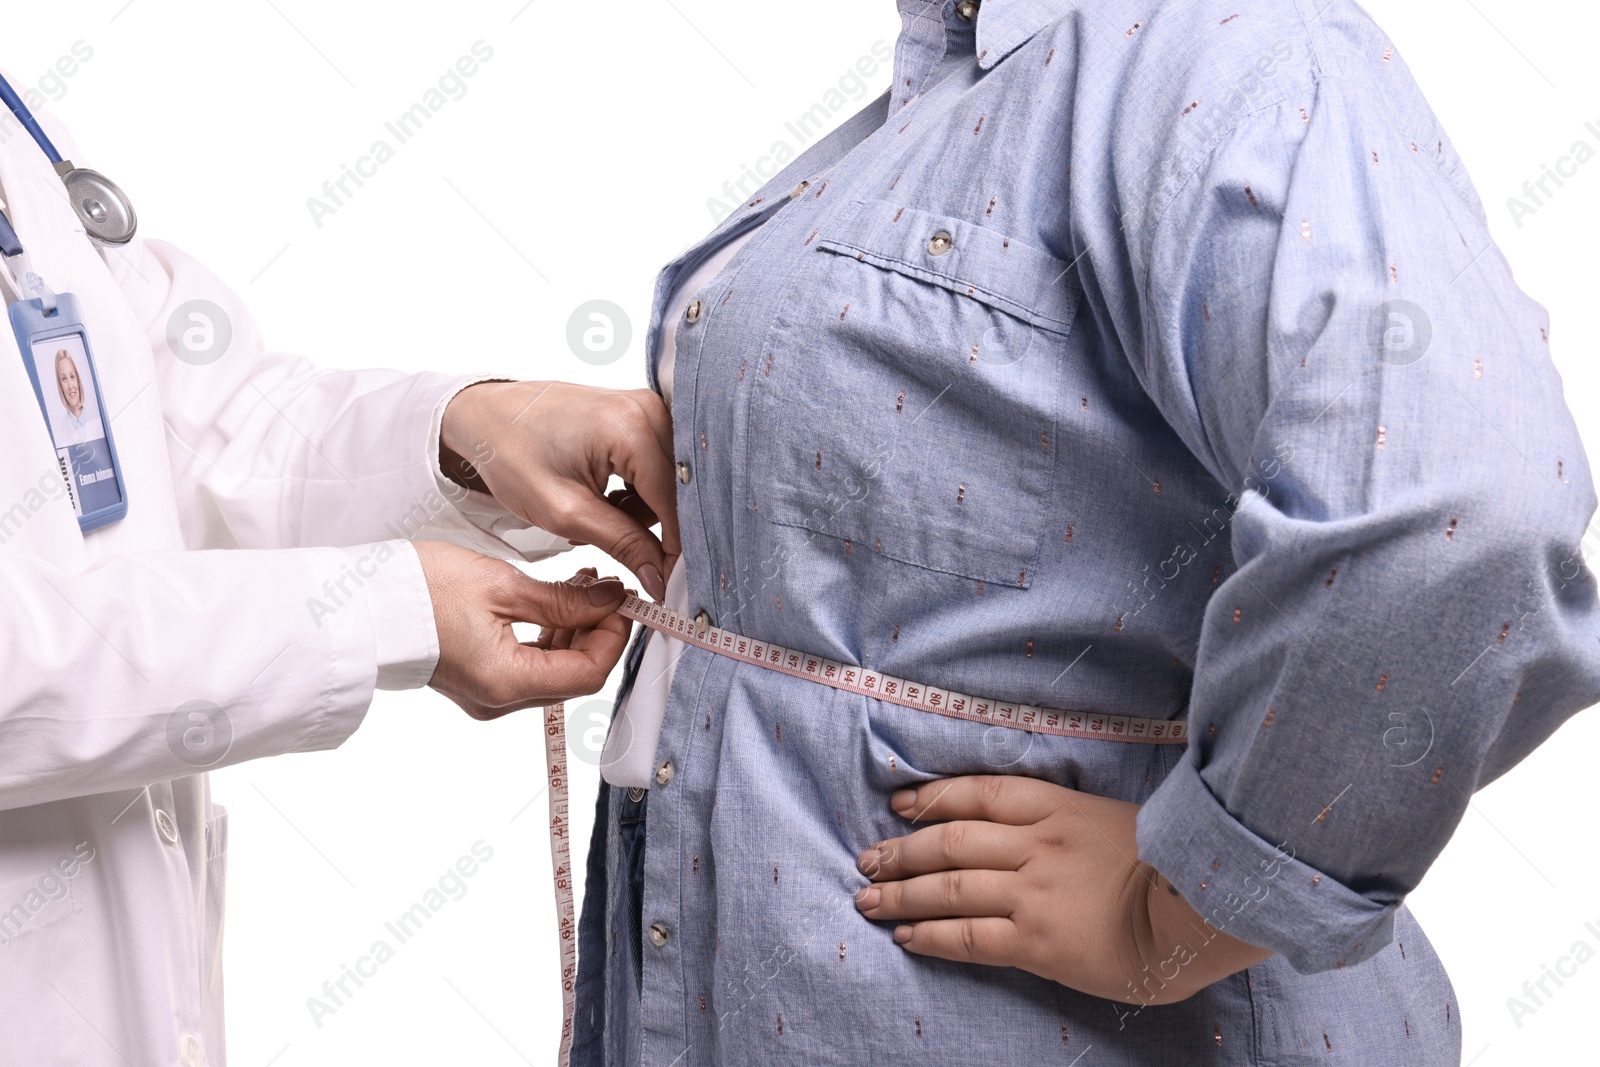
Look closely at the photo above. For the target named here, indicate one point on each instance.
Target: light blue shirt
(82, 427)
(1155, 359)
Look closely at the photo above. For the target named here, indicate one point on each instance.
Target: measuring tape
(555, 762)
(852, 679)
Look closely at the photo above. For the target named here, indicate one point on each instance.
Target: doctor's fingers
(550, 638)
(655, 413)
(654, 475)
(498, 675)
(630, 503)
(553, 605)
(557, 636)
(580, 515)
(640, 450)
(538, 678)
(607, 433)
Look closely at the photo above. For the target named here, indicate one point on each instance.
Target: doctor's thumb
(619, 528)
(565, 606)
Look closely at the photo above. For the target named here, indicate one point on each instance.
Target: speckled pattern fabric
(1138, 356)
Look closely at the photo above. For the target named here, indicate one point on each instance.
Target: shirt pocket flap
(990, 267)
(906, 397)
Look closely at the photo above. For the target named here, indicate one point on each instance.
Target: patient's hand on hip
(1017, 872)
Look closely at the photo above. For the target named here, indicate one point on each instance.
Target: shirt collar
(1003, 25)
(1006, 25)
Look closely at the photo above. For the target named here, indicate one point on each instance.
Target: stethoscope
(103, 208)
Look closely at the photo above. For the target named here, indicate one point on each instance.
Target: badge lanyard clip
(15, 270)
(45, 295)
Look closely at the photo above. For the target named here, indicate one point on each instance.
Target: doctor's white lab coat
(241, 476)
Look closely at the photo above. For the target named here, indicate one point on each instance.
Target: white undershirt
(630, 752)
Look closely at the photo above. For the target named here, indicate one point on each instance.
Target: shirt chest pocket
(907, 395)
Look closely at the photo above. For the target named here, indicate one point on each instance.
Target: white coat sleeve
(270, 451)
(151, 666)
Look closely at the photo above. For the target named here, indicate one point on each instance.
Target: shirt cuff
(405, 639)
(1252, 889)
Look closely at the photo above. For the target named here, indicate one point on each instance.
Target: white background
(580, 159)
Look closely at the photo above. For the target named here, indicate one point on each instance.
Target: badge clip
(46, 295)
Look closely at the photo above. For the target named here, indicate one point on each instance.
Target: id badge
(55, 349)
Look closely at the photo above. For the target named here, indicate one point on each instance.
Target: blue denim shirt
(1155, 358)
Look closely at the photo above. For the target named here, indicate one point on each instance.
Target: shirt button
(168, 828)
(658, 935)
(190, 1050)
(664, 773)
(692, 314)
(794, 194)
(636, 793)
(685, 472)
(967, 9)
(939, 243)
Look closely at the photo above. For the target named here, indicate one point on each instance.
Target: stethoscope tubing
(87, 190)
(29, 123)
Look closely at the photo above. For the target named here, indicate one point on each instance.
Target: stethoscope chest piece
(103, 208)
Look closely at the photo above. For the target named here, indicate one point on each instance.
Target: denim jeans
(630, 833)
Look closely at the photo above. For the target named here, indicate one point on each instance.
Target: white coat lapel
(64, 256)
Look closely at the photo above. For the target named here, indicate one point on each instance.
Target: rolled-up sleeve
(1333, 333)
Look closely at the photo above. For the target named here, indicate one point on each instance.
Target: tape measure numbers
(1092, 725)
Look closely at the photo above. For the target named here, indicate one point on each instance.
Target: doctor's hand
(482, 665)
(1017, 872)
(546, 450)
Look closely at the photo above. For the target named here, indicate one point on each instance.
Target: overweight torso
(933, 420)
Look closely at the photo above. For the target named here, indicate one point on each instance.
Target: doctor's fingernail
(869, 898)
(903, 799)
(869, 861)
(605, 592)
(650, 575)
(902, 935)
